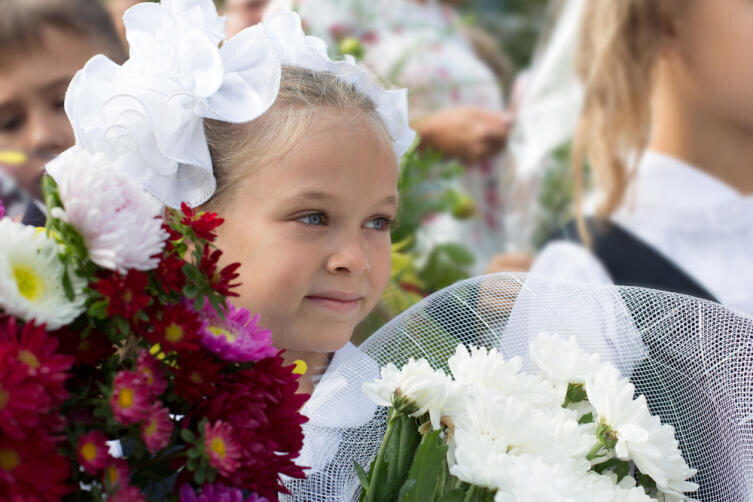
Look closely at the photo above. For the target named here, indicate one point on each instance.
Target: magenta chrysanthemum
(128, 494)
(216, 493)
(151, 369)
(93, 454)
(130, 397)
(221, 447)
(157, 428)
(116, 474)
(236, 338)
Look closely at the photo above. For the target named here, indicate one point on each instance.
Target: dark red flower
(262, 406)
(177, 328)
(220, 279)
(32, 379)
(170, 274)
(89, 351)
(31, 469)
(126, 294)
(201, 222)
(196, 375)
(36, 350)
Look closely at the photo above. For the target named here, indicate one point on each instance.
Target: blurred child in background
(44, 42)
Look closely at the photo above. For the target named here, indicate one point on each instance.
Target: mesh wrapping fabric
(692, 359)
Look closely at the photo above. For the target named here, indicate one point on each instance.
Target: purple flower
(216, 493)
(2, 209)
(236, 337)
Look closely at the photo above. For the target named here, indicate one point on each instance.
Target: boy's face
(312, 234)
(32, 92)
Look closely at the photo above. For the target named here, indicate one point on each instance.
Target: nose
(350, 257)
(48, 132)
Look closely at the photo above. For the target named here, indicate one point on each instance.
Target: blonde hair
(237, 149)
(619, 45)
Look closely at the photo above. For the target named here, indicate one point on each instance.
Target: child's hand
(510, 262)
(467, 133)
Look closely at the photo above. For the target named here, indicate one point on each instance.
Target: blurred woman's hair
(619, 45)
(22, 23)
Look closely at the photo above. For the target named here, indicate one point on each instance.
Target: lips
(336, 301)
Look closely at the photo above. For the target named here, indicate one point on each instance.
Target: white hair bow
(147, 114)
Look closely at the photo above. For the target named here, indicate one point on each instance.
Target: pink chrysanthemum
(128, 494)
(216, 493)
(130, 397)
(151, 368)
(237, 337)
(116, 474)
(157, 428)
(221, 447)
(93, 454)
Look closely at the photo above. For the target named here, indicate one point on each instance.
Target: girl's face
(713, 43)
(312, 233)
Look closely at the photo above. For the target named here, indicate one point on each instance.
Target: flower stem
(594, 451)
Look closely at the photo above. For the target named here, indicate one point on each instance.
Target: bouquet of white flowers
(476, 410)
(573, 431)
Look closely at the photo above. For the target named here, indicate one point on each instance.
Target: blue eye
(312, 219)
(380, 223)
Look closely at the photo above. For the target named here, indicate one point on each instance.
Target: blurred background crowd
(503, 95)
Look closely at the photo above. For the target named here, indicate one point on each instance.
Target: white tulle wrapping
(691, 358)
(147, 115)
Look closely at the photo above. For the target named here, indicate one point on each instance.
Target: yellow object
(300, 367)
(13, 157)
(30, 284)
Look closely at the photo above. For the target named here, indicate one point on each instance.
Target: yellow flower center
(30, 284)
(151, 428)
(4, 397)
(111, 474)
(89, 451)
(219, 331)
(217, 445)
(173, 333)
(196, 377)
(9, 459)
(30, 359)
(128, 296)
(125, 398)
(149, 376)
(84, 345)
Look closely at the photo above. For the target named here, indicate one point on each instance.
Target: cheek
(381, 263)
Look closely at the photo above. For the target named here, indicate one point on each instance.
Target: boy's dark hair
(22, 21)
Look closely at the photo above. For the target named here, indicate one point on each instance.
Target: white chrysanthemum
(562, 360)
(490, 370)
(118, 220)
(518, 428)
(430, 390)
(31, 277)
(640, 437)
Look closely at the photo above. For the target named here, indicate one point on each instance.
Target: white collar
(669, 189)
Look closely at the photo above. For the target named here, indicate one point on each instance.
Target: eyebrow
(56, 83)
(318, 195)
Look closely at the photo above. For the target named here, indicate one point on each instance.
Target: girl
(308, 192)
(298, 153)
(667, 129)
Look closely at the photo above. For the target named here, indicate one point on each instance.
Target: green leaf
(456, 495)
(190, 290)
(588, 418)
(429, 464)
(98, 309)
(362, 477)
(68, 286)
(576, 392)
(200, 475)
(187, 436)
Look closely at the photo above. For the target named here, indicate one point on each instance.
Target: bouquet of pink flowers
(125, 374)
